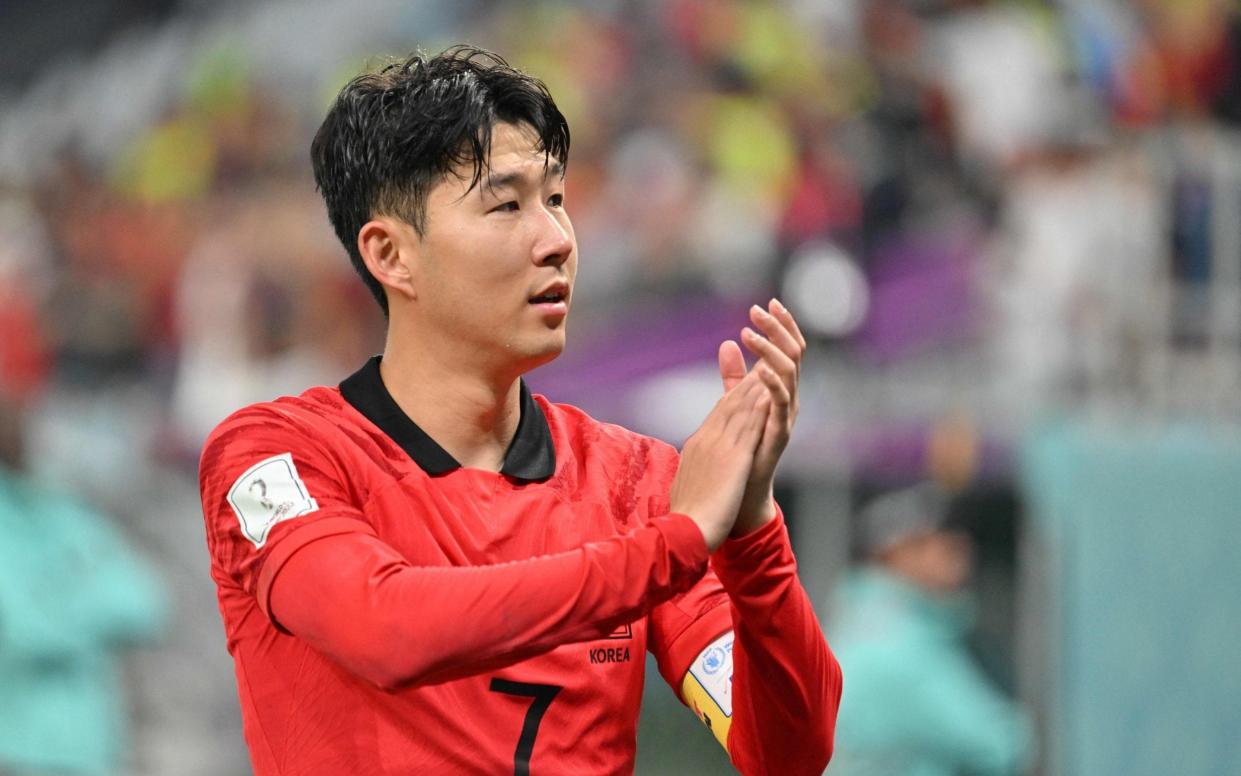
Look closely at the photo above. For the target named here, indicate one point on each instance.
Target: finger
(785, 317)
(771, 355)
(746, 400)
(756, 421)
(778, 423)
(753, 390)
(743, 393)
(779, 392)
(732, 364)
(777, 332)
(733, 402)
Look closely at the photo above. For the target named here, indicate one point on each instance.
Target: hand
(717, 459)
(780, 354)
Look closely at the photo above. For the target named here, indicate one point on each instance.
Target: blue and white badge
(713, 669)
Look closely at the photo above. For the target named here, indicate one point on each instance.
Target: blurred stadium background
(1013, 230)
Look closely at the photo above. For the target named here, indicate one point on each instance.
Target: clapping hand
(779, 345)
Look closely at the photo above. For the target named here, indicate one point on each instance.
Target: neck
(471, 411)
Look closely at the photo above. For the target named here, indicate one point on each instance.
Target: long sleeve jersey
(390, 612)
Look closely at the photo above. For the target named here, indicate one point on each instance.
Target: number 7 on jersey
(542, 696)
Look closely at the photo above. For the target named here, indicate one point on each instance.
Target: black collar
(530, 455)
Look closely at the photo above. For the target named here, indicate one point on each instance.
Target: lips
(554, 294)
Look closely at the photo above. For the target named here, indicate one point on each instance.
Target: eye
(507, 207)
(556, 200)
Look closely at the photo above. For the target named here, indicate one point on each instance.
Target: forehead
(514, 144)
(516, 157)
(514, 150)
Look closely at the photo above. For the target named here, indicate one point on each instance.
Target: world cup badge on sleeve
(269, 492)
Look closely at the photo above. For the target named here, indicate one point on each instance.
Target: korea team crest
(269, 492)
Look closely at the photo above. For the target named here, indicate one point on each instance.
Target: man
(431, 570)
(918, 704)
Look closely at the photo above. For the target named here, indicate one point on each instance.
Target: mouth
(555, 294)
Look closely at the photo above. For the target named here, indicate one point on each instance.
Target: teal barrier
(1143, 531)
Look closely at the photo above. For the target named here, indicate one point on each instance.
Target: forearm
(395, 624)
(786, 682)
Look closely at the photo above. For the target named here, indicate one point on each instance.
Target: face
(496, 264)
(940, 561)
(945, 560)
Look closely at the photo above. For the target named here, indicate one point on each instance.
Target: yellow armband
(708, 687)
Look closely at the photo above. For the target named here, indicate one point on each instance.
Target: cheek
(473, 270)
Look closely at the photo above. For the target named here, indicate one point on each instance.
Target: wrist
(754, 516)
(712, 535)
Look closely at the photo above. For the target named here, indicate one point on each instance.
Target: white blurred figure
(1001, 70)
(1077, 274)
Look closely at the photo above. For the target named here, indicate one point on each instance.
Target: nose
(555, 241)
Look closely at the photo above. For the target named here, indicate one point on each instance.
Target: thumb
(732, 364)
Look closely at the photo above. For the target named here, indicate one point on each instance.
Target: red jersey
(464, 621)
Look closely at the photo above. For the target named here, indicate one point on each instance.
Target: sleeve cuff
(294, 541)
(757, 540)
(751, 564)
(685, 542)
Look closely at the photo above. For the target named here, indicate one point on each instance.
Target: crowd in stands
(994, 153)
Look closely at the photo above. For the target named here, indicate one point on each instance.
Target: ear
(389, 248)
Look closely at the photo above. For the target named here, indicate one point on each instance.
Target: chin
(539, 353)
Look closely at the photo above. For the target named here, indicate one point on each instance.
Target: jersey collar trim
(530, 456)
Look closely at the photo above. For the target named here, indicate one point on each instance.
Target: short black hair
(391, 135)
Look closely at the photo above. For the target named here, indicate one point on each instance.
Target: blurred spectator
(915, 703)
(73, 595)
(1080, 265)
(998, 64)
(263, 309)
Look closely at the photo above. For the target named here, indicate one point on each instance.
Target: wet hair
(391, 135)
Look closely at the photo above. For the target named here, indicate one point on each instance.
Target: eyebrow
(510, 178)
